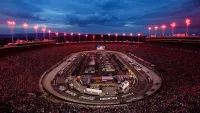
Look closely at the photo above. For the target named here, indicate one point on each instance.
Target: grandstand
(177, 63)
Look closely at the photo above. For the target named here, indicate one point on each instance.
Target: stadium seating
(179, 67)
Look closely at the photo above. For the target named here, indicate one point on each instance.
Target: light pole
(72, 36)
(93, 37)
(11, 25)
(156, 28)
(44, 30)
(49, 34)
(187, 21)
(86, 37)
(36, 29)
(173, 26)
(163, 29)
(25, 25)
(65, 34)
(101, 37)
(149, 31)
(138, 37)
(57, 36)
(109, 36)
(79, 35)
(131, 36)
(116, 36)
(124, 36)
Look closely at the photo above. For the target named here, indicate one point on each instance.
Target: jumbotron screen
(100, 48)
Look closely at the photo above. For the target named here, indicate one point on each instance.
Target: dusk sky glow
(100, 16)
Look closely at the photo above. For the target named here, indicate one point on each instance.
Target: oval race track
(147, 83)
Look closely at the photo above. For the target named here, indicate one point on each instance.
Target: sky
(100, 16)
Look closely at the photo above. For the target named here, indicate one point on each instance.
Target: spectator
(20, 74)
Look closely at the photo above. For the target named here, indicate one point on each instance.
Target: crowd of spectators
(178, 66)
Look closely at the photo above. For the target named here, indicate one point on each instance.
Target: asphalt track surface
(148, 82)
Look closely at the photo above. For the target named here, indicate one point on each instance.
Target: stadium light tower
(163, 29)
(187, 21)
(72, 35)
(11, 25)
(109, 36)
(124, 36)
(101, 37)
(36, 29)
(116, 36)
(44, 31)
(65, 34)
(86, 36)
(149, 31)
(131, 36)
(25, 26)
(79, 35)
(49, 34)
(138, 37)
(57, 36)
(173, 25)
(93, 37)
(156, 28)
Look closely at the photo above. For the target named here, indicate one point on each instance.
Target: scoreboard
(100, 48)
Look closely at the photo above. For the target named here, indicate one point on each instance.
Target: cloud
(20, 9)
(22, 15)
(92, 19)
(113, 14)
(20, 5)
